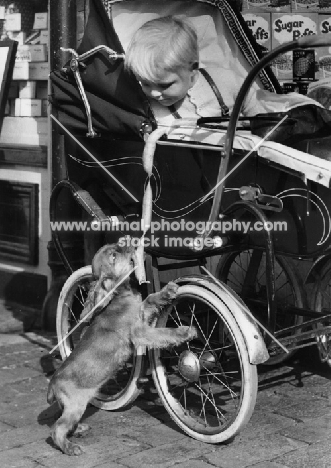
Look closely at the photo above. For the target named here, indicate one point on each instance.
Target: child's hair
(164, 44)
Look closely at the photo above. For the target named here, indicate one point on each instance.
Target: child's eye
(144, 85)
(165, 86)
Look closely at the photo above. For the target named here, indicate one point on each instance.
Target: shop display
(295, 70)
(27, 23)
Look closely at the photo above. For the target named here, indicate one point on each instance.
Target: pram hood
(118, 105)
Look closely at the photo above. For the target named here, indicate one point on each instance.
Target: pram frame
(255, 352)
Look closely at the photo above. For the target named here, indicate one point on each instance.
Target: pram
(252, 308)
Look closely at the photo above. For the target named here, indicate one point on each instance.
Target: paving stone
(16, 375)
(4, 428)
(312, 456)
(35, 385)
(24, 463)
(33, 392)
(21, 401)
(6, 340)
(263, 423)
(27, 453)
(244, 454)
(19, 357)
(132, 417)
(319, 386)
(269, 465)
(21, 436)
(193, 464)
(109, 465)
(31, 415)
(168, 454)
(310, 431)
(160, 432)
(94, 454)
(306, 408)
(268, 400)
(143, 435)
(293, 386)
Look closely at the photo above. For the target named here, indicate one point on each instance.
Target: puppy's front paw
(169, 292)
(192, 333)
(187, 333)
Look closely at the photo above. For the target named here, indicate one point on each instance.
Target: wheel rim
(288, 292)
(201, 381)
(321, 302)
(72, 308)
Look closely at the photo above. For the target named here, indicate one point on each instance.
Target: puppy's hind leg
(162, 337)
(81, 430)
(74, 405)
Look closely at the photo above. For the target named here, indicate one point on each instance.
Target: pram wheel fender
(314, 274)
(208, 386)
(256, 348)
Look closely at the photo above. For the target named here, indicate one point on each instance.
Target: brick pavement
(290, 427)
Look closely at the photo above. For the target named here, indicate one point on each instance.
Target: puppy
(109, 340)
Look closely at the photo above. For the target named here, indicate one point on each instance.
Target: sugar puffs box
(263, 6)
(286, 28)
(260, 25)
(305, 6)
(324, 53)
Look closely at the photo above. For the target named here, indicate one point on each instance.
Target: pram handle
(321, 40)
(302, 43)
(81, 58)
(76, 61)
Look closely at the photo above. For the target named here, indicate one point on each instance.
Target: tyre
(321, 302)
(245, 273)
(117, 392)
(207, 385)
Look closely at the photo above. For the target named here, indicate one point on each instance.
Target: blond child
(163, 55)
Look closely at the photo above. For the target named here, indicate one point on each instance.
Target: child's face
(171, 88)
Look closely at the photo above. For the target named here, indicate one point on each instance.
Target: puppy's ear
(101, 262)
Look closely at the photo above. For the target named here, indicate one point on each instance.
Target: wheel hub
(189, 366)
(208, 360)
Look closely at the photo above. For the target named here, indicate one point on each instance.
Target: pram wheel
(117, 392)
(321, 302)
(207, 385)
(245, 272)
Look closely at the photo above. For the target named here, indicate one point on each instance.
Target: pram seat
(307, 166)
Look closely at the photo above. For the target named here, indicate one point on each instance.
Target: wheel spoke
(119, 388)
(207, 340)
(288, 290)
(210, 401)
(204, 388)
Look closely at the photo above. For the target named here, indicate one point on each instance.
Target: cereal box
(304, 65)
(31, 53)
(295, 87)
(305, 6)
(324, 53)
(262, 6)
(324, 6)
(259, 24)
(286, 28)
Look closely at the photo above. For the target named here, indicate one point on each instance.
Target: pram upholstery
(120, 109)
(118, 104)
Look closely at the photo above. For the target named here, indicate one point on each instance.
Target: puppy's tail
(50, 394)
